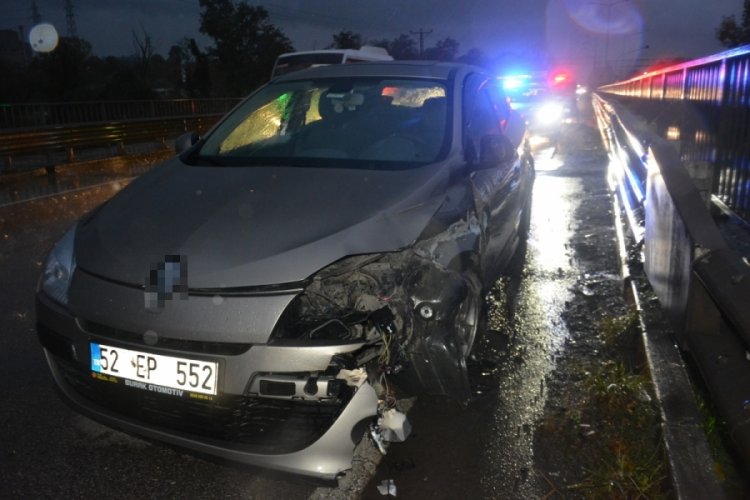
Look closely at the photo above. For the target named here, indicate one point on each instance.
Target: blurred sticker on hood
(166, 280)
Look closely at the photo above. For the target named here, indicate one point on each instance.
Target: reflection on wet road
(528, 310)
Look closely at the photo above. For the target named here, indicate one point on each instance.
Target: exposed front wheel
(466, 321)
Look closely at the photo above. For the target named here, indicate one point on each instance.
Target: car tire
(468, 313)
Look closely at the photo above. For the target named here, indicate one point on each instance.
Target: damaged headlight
(344, 302)
(407, 312)
(58, 268)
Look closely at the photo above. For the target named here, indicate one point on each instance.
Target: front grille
(196, 346)
(251, 424)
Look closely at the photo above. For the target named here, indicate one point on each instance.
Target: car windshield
(385, 123)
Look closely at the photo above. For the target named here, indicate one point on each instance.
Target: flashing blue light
(514, 82)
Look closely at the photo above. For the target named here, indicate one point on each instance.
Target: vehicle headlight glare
(550, 113)
(59, 267)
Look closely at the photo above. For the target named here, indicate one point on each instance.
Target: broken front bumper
(263, 415)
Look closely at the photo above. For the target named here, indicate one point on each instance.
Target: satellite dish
(43, 37)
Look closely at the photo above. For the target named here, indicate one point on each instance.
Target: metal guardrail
(627, 167)
(702, 284)
(52, 146)
(35, 135)
(48, 114)
(704, 107)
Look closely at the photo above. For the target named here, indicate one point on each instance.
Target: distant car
(546, 102)
(260, 296)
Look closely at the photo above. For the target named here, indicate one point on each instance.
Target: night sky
(579, 33)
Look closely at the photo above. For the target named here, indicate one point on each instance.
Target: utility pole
(36, 18)
(71, 19)
(421, 34)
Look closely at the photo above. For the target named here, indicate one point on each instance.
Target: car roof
(397, 69)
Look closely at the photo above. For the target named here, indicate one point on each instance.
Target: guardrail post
(702, 174)
(71, 155)
(51, 177)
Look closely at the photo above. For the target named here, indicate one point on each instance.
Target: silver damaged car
(266, 294)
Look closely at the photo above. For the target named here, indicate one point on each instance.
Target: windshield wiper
(208, 160)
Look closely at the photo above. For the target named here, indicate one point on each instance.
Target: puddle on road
(528, 309)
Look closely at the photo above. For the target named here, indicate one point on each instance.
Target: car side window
(480, 116)
(499, 104)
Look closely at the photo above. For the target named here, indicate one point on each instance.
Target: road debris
(387, 487)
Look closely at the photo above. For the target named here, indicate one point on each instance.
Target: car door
(495, 177)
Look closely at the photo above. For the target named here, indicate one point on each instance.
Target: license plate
(154, 369)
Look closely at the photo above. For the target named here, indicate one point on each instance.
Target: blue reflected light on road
(552, 214)
(536, 331)
(545, 159)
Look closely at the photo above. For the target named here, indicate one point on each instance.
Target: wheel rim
(466, 322)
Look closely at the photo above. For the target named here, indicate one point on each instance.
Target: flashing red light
(560, 78)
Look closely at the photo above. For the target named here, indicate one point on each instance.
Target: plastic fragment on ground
(394, 426)
(353, 378)
(387, 487)
(377, 438)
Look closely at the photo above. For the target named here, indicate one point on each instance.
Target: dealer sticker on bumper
(147, 368)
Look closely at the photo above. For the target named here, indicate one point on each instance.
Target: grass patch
(624, 455)
(734, 484)
(612, 424)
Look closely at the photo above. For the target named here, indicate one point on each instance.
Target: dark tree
(199, 75)
(246, 43)
(732, 34)
(144, 47)
(178, 60)
(62, 74)
(444, 50)
(346, 40)
(476, 57)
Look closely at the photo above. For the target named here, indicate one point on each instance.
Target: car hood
(252, 226)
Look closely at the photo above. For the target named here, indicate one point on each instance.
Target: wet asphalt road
(483, 451)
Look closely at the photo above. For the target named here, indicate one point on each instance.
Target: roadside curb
(691, 465)
(353, 482)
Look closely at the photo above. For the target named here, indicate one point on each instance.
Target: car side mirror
(515, 128)
(495, 149)
(185, 142)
